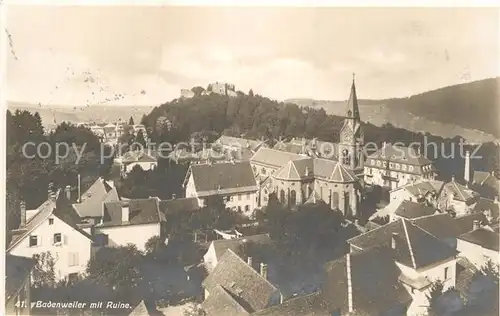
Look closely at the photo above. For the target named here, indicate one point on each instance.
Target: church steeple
(352, 105)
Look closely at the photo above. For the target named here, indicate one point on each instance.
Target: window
(239, 197)
(263, 171)
(33, 241)
(391, 165)
(403, 167)
(370, 171)
(57, 238)
(446, 273)
(51, 221)
(247, 208)
(398, 166)
(248, 196)
(372, 162)
(231, 198)
(410, 168)
(239, 208)
(72, 259)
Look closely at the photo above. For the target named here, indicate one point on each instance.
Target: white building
(54, 227)
(130, 222)
(233, 181)
(136, 158)
(480, 246)
(394, 166)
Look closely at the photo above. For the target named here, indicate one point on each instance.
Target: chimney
(67, 190)
(263, 270)
(125, 212)
(174, 196)
(79, 189)
(467, 167)
(453, 178)
(475, 224)
(22, 206)
(393, 240)
(249, 261)
(349, 283)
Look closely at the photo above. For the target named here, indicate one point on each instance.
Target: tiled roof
(414, 247)
(140, 310)
(92, 199)
(465, 223)
(484, 204)
(137, 156)
(333, 171)
(375, 285)
(237, 142)
(306, 305)
(486, 179)
(179, 204)
(311, 147)
(399, 154)
(484, 238)
(423, 187)
(296, 170)
(17, 270)
(222, 303)
(221, 245)
(141, 211)
(410, 210)
(223, 178)
(253, 291)
(442, 225)
(461, 192)
(274, 158)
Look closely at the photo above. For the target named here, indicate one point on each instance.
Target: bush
(154, 245)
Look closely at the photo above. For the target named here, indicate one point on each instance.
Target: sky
(144, 55)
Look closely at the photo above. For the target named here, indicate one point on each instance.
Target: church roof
(352, 110)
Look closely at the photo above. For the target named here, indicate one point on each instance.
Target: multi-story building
(233, 181)
(393, 166)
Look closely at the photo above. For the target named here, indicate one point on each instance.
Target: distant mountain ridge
(470, 110)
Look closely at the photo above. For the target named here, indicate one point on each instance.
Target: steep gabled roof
(306, 305)
(400, 154)
(411, 210)
(17, 270)
(253, 291)
(92, 199)
(415, 247)
(59, 208)
(296, 170)
(236, 244)
(221, 302)
(223, 178)
(274, 158)
(423, 187)
(374, 283)
(179, 204)
(140, 310)
(461, 192)
(484, 238)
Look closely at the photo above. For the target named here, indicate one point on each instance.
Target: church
(316, 171)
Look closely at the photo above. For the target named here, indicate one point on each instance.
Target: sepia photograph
(250, 160)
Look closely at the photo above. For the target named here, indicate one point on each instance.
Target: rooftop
(483, 237)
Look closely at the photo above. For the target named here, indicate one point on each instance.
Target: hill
(470, 110)
(99, 113)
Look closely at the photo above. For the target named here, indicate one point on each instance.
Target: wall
(133, 234)
(210, 259)
(144, 165)
(477, 254)
(241, 201)
(263, 170)
(72, 242)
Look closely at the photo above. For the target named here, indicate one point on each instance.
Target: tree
(131, 121)
(435, 293)
(491, 270)
(43, 271)
(140, 139)
(116, 268)
(153, 245)
(250, 93)
(197, 90)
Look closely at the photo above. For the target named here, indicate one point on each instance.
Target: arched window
(282, 196)
(293, 197)
(247, 208)
(335, 200)
(346, 158)
(347, 204)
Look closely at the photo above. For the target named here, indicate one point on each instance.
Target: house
(393, 166)
(365, 283)
(54, 228)
(218, 247)
(486, 183)
(140, 310)
(490, 209)
(420, 257)
(423, 191)
(17, 285)
(311, 147)
(90, 204)
(480, 246)
(305, 305)
(233, 181)
(130, 222)
(412, 210)
(136, 158)
(176, 205)
(229, 142)
(238, 288)
(457, 198)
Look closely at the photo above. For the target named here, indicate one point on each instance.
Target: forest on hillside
(254, 116)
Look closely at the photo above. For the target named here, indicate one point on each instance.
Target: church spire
(352, 104)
